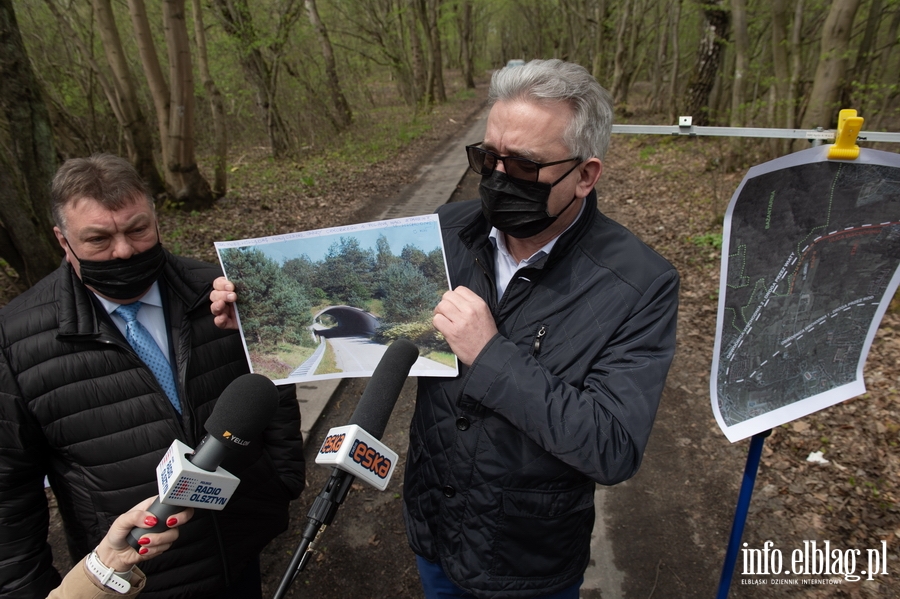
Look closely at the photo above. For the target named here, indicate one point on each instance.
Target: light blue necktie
(147, 349)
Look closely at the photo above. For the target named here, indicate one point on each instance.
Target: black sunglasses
(483, 162)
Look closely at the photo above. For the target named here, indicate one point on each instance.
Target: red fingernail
(172, 521)
(143, 550)
(143, 541)
(150, 520)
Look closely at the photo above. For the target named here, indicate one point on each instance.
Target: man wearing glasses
(564, 326)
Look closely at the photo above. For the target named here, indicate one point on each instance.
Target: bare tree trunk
(136, 127)
(796, 62)
(107, 87)
(832, 66)
(238, 23)
(619, 77)
(720, 97)
(889, 76)
(466, 36)
(737, 117)
(741, 62)
(709, 58)
(437, 56)
(778, 103)
(159, 89)
(635, 57)
(601, 11)
(780, 60)
(193, 190)
(417, 59)
(344, 116)
(217, 108)
(662, 51)
(428, 94)
(673, 72)
(885, 59)
(26, 238)
(574, 16)
(862, 67)
(427, 11)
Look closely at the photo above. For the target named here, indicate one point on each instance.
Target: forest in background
(188, 88)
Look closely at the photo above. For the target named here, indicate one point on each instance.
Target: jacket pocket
(543, 533)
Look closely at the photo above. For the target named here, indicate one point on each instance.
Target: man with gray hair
(564, 325)
(103, 364)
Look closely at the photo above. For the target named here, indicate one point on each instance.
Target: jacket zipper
(542, 331)
(536, 344)
(492, 296)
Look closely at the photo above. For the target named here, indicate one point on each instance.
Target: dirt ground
(670, 524)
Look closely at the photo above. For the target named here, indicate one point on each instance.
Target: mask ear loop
(566, 208)
(71, 250)
(568, 172)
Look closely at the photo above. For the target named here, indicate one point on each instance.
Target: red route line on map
(859, 231)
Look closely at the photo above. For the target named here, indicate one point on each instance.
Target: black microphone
(371, 415)
(239, 417)
(381, 394)
(237, 421)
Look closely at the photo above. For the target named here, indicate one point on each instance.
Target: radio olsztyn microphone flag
(356, 452)
(193, 478)
(182, 483)
(188, 478)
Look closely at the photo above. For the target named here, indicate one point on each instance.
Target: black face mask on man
(123, 279)
(516, 207)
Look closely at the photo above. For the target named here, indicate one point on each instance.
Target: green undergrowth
(377, 135)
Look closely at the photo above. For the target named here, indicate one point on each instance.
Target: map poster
(326, 304)
(810, 254)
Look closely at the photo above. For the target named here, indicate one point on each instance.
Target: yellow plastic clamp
(849, 126)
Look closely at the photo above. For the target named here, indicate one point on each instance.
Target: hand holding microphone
(114, 550)
(194, 479)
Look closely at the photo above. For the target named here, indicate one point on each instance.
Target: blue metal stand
(740, 512)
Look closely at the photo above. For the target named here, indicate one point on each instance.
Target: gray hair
(105, 178)
(557, 81)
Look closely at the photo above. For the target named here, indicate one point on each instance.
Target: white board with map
(810, 256)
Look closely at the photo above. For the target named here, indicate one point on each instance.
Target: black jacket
(79, 405)
(503, 459)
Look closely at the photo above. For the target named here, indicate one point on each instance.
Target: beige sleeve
(79, 583)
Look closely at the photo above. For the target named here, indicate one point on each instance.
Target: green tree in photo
(431, 265)
(274, 308)
(413, 255)
(302, 270)
(346, 273)
(384, 258)
(409, 295)
(433, 268)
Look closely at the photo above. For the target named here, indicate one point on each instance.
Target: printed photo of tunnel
(326, 304)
